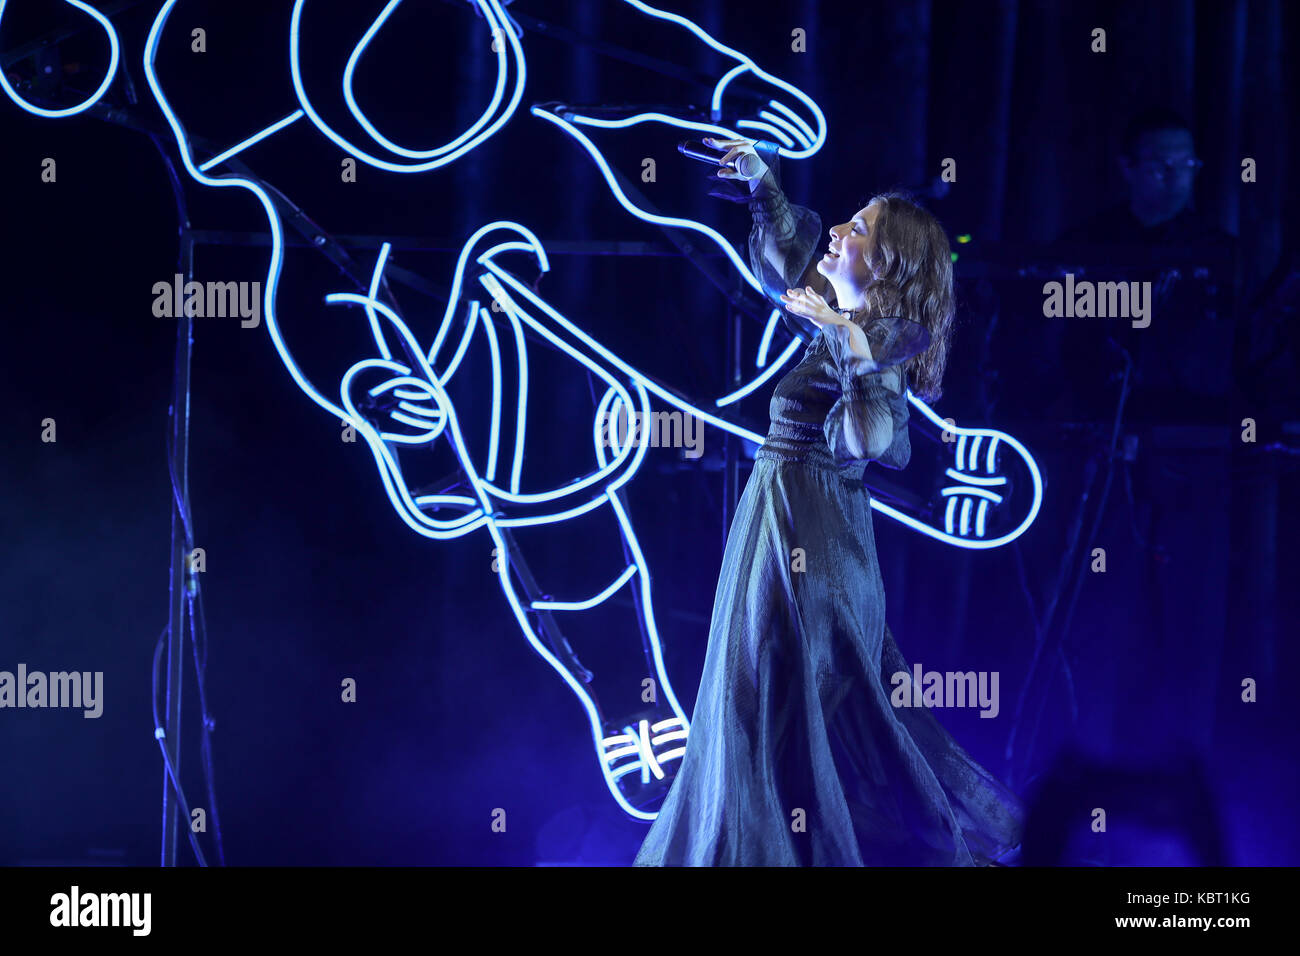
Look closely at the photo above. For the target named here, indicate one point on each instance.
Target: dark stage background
(311, 577)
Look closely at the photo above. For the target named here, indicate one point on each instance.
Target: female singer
(796, 755)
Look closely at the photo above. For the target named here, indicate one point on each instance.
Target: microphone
(748, 165)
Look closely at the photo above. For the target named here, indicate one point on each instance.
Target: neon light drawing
(397, 398)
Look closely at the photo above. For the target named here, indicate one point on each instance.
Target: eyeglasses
(1162, 169)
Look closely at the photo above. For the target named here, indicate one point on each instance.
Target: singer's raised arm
(784, 240)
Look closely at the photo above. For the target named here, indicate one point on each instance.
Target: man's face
(1158, 175)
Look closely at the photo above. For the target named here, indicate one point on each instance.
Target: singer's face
(850, 244)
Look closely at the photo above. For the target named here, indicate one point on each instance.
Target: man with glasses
(1167, 528)
(1183, 373)
(1159, 165)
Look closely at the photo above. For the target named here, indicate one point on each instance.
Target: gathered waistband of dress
(810, 455)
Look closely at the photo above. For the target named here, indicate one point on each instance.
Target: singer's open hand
(808, 303)
(735, 147)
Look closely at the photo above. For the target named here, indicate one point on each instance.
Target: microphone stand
(1050, 647)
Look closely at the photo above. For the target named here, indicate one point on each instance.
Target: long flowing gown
(796, 755)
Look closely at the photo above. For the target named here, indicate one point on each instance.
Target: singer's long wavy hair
(912, 263)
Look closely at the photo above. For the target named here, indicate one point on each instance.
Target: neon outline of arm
(745, 64)
(726, 247)
(637, 119)
(719, 240)
(796, 126)
(114, 52)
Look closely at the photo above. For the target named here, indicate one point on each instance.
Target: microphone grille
(749, 166)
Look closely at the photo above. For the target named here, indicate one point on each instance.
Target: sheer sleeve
(782, 246)
(869, 420)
